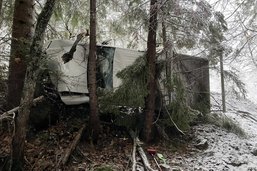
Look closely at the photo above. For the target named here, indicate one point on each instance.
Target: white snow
(226, 151)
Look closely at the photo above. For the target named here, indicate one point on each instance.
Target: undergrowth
(104, 168)
(131, 95)
(225, 122)
(3, 84)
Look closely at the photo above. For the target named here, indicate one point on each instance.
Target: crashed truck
(70, 79)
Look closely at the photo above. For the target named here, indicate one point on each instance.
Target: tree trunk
(93, 102)
(1, 13)
(222, 84)
(21, 122)
(22, 32)
(167, 56)
(151, 63)
(35, 57)
(1, 6)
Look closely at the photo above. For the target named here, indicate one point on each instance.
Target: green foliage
(118, 28)
(75, 19)
(70, 18)
(186, 42)
(7, 13)
(225, 122)
(128, 21)
(132, 94)
(180, 112)
(238, 86)
(194, 25)
(132, 91)
(203, 105)
(231, 126)
(58, 12)
(104, 168)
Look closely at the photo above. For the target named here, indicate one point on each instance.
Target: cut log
(73, 145)
(11, 113)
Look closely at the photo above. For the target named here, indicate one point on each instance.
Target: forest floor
(226, 150)
(206, 147)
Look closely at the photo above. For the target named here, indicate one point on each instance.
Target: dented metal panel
(71, 78)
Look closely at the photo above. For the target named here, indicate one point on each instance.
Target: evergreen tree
(151, 68)
(22, 32)
(93, 102)
(35, 56)
(1, 6)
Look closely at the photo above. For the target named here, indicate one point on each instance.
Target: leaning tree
(22, 32)
(35, 58)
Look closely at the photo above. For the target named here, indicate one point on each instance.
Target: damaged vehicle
(70, 79)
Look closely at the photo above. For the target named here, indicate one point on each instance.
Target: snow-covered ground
(222, 150)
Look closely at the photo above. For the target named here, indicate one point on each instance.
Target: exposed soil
(45, 148)
(205, 147)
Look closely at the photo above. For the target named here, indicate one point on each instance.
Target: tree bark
(151, 63)
(73, 145)
(93, 102)
(11, 113)
(141, 152)
(22, 32)
(1, 6)
(222, 84)
(167, 54)
(35, 56)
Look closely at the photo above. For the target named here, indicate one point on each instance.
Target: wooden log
(141, 152)
(73, 145)
(134, 161)
(143, 157)
(11, 113)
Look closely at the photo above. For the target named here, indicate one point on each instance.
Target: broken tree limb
(134, 161)
(11, 113)
(173, 121)
(162, 132)
(143, 156)
(141, 151)
(165, 106)
(73, 145)
(69, 55)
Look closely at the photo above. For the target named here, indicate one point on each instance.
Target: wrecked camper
(70, 78)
